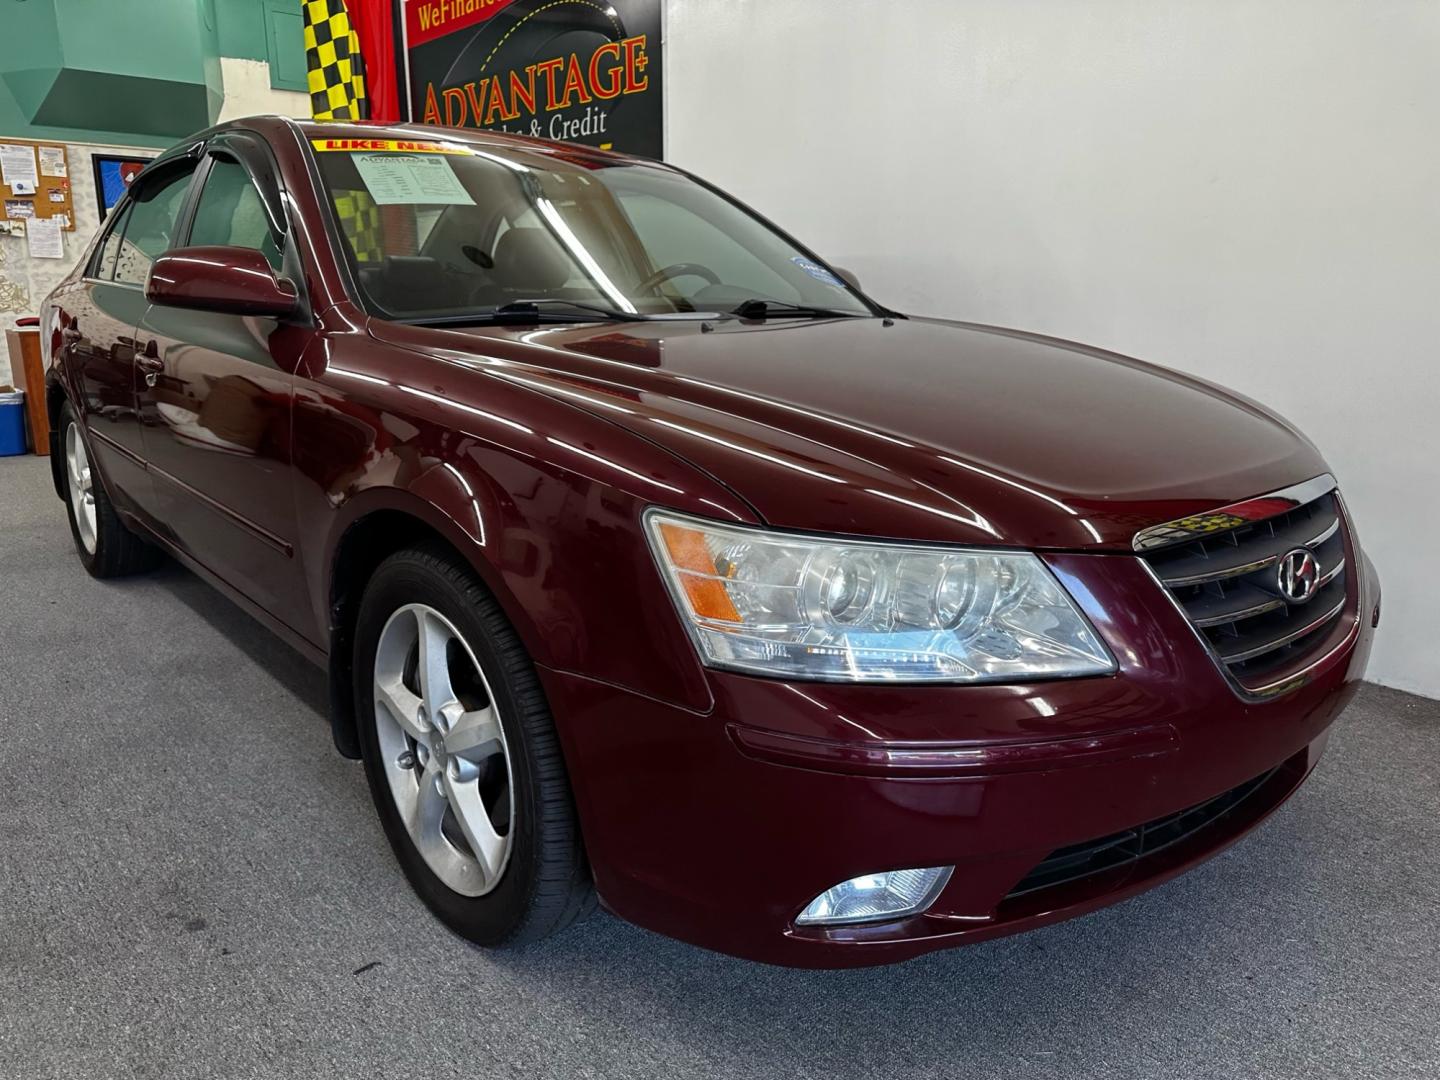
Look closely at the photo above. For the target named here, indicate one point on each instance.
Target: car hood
(916, 429)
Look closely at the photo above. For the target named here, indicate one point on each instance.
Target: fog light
(872, 897)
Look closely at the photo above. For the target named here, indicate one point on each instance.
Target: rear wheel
(461, 755)
(106, 547)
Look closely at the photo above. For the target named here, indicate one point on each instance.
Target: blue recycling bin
(12, 423)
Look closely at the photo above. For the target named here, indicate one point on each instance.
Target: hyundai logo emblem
(1299, 575)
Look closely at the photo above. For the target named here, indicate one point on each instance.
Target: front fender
(541, 498)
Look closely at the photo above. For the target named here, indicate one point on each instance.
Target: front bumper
(718, 828)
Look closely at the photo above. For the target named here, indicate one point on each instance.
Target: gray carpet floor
(193, 884)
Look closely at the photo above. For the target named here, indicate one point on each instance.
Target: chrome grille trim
(1182, 530)
(1285, 639)
(1242, 613)
(1284, 544)
(1264, 643)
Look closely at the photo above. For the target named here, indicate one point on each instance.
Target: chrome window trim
(110, 281)
(1178, 532)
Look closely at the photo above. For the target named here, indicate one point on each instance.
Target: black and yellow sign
(578, 70)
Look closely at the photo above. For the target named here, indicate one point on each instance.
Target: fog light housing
(876, 897)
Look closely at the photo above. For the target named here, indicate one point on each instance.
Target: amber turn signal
(690, 554)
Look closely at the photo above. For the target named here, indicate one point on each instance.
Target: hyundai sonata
(654, 563)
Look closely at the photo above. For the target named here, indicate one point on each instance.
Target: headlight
(818, 608)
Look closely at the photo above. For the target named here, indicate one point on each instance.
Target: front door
(217, 412)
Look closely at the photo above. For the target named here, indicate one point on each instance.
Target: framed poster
(113, 174)
(573, 70)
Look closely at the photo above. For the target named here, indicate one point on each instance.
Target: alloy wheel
(82, 490)
(443, 749)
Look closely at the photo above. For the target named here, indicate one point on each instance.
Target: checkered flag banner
(336, 70)
(360, 221)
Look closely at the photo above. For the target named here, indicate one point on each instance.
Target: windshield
(444, 230)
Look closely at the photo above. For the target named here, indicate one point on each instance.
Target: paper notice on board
(19, 208)
(411, 178)
(52, 160)
(44, 239)
(17, 168)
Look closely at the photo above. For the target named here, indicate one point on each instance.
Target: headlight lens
(817, 608)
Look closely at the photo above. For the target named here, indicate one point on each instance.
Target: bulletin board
(50, 168)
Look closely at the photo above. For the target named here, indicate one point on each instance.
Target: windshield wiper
(546, 309)
(760, 308)
(542, 305)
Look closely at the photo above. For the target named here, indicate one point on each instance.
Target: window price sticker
(409, 179)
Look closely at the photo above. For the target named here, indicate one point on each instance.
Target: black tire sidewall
(498, 915)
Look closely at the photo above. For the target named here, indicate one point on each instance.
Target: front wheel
(462, 757)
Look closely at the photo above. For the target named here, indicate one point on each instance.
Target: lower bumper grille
(1093, 857)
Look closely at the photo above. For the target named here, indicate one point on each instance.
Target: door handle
(150, 363)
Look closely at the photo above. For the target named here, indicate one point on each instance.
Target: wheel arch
(377, 525)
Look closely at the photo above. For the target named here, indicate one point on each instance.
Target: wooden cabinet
(28, 372)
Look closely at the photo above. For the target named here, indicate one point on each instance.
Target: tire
(477, 759)
(106, 546)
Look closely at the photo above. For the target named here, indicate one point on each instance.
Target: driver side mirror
(848, 276)
(232, 280)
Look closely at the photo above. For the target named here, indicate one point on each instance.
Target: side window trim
(186, 218)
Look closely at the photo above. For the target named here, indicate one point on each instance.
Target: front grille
(1109, 852)
(1226, 582)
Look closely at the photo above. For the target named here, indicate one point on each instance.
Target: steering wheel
(677, 270)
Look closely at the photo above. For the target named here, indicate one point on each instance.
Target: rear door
(98, 325)
(218, 407)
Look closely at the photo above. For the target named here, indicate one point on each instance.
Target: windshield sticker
(411, 179)
(394, 146)
(818, 272)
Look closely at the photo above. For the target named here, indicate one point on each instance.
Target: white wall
(248, 92)
(1246, 189)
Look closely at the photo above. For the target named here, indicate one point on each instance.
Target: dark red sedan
(653, 562)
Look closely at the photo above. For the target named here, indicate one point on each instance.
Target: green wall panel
(138, 72)
(156, 107)
(242, 29)
(158, 39)
(286, 35)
